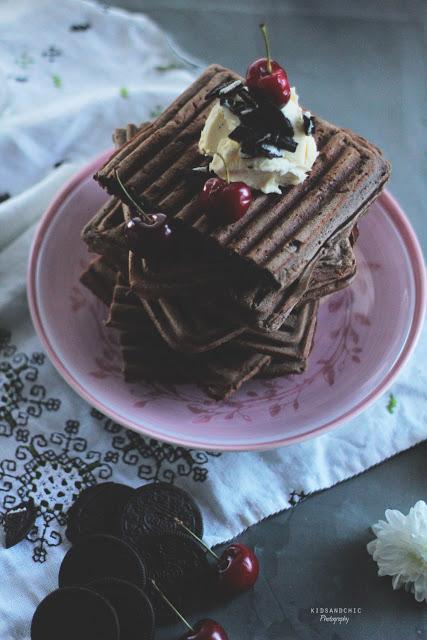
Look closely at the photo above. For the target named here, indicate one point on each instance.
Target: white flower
(400, 549)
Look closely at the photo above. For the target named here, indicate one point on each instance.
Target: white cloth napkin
(74, 71)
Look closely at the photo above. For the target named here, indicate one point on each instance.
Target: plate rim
(400, 220)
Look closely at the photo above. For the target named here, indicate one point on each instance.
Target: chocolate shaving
(196, 175)
(270, 150)
(269, 145)
(241, 133)
(309, 124)
(268, 118)
(240, 109)
(203, 169)
(225, 88)
(249, 149)
(286, 143)
(264, 130)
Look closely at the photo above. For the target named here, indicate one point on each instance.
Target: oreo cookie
(75, 613)
(133, 608)
(180, 568)
(101, 556)
(152, 509)
(97, 510)
(18, 521)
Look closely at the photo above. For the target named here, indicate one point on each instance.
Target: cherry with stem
(225, 201)
(148, 235)
(237, 566)
(266, 78)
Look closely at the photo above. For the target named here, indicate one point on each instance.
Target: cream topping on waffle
(265, 174)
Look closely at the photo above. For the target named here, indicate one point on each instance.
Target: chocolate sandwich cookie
(75, 613)
(180, 568)
(152, 509)
(18, 521)
(100, 556)
(97, 510)
(133, 608)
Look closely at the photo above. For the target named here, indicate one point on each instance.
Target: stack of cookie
(233, 301)
(138, 561)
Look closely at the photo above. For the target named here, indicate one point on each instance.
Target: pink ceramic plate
(364, 336)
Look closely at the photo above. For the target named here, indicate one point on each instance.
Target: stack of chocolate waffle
(235, 301)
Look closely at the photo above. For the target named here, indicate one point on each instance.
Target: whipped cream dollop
(259, 172)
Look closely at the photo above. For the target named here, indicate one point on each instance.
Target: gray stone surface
(362, 65)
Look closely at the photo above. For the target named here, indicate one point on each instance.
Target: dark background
(360, 64)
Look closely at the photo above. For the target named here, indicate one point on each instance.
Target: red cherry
(147, 235)
(273, 84)
(226, 202)
(205, 630)
(238, 568)
(266, 78)
(150, 238)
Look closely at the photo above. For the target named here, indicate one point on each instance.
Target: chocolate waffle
(193, 326)
(222, 371)
(194, 269)
(219, 372)
(243, 304)
(279, 234)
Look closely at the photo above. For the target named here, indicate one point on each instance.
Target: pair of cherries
(237, 570)
(149, 235)
(227, 201)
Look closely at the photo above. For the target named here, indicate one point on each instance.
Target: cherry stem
(227, 175)
(263, 28)
(169, 603)
(204, 545)
(146, 217)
